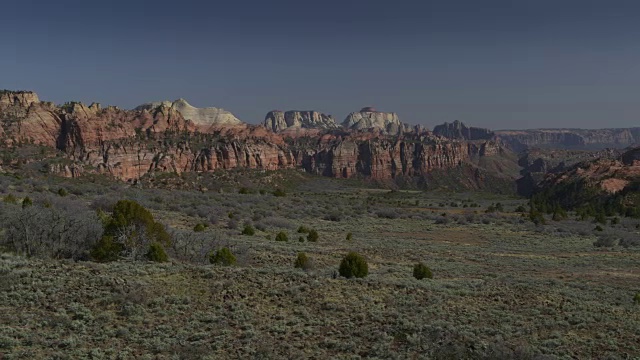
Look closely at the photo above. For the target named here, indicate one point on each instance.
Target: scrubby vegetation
(421, 271)
(113, 270)
(354, 265)
(303, 262)
(222, 257)
(282, 236)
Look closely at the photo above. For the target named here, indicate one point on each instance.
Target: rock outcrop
(278, 121)
(602, 184)
(201, 117)
(370, 119)
(460, 131)
(17, 98)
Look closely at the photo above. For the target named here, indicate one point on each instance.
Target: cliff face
(584, 139)
(130, 144)
(601, 183)
(537, 164)
(458, 130)
(383, 158)
(369, 119)
(278, 121)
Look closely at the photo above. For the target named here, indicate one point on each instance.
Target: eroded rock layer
(129, 144)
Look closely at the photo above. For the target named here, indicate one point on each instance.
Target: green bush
(421, 271)
(156, 253)
(354, 265)
(302, 262)
(129, 229)
(313, 236)
(282, 236)
(106, 249)
(349, 236)
(199, 228)
(301, 239)
(279, 193)
(600, 218)
(222, 257)
(536, 217)
(303, 229)
(248, 230)
(26, 202)
(62, 192)
(244, 190)
(636, 299)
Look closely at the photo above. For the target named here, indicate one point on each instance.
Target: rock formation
(201, 117)
(577, 139)
(458, 130)
(17, 98)
(278, 121)
(131, 144)
(538, 163)
(370, 119)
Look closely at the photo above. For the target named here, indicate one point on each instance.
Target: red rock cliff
(128, 144)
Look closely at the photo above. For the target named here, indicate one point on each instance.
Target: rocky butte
(458, 130)
(279, 121)
(368, 118)
(204, 118)
(176, 137)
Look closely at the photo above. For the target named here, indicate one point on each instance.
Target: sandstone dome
(200, 116)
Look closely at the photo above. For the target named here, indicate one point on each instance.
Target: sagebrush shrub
(199, 228)
(349, 236)
(222, 257)
(636, 299)
(10, 199)
(354, 265)
(605, 241)
(421, 271)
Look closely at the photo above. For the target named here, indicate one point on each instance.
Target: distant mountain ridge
(157, 138)
(576, 139)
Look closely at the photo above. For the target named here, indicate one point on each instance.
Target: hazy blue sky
(497, 64)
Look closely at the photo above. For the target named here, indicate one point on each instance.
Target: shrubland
(114, 270)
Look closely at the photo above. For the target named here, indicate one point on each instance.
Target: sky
(492, 63)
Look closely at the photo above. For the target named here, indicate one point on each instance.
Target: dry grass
(501, 290)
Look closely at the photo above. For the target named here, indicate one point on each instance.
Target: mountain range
(176, 137)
